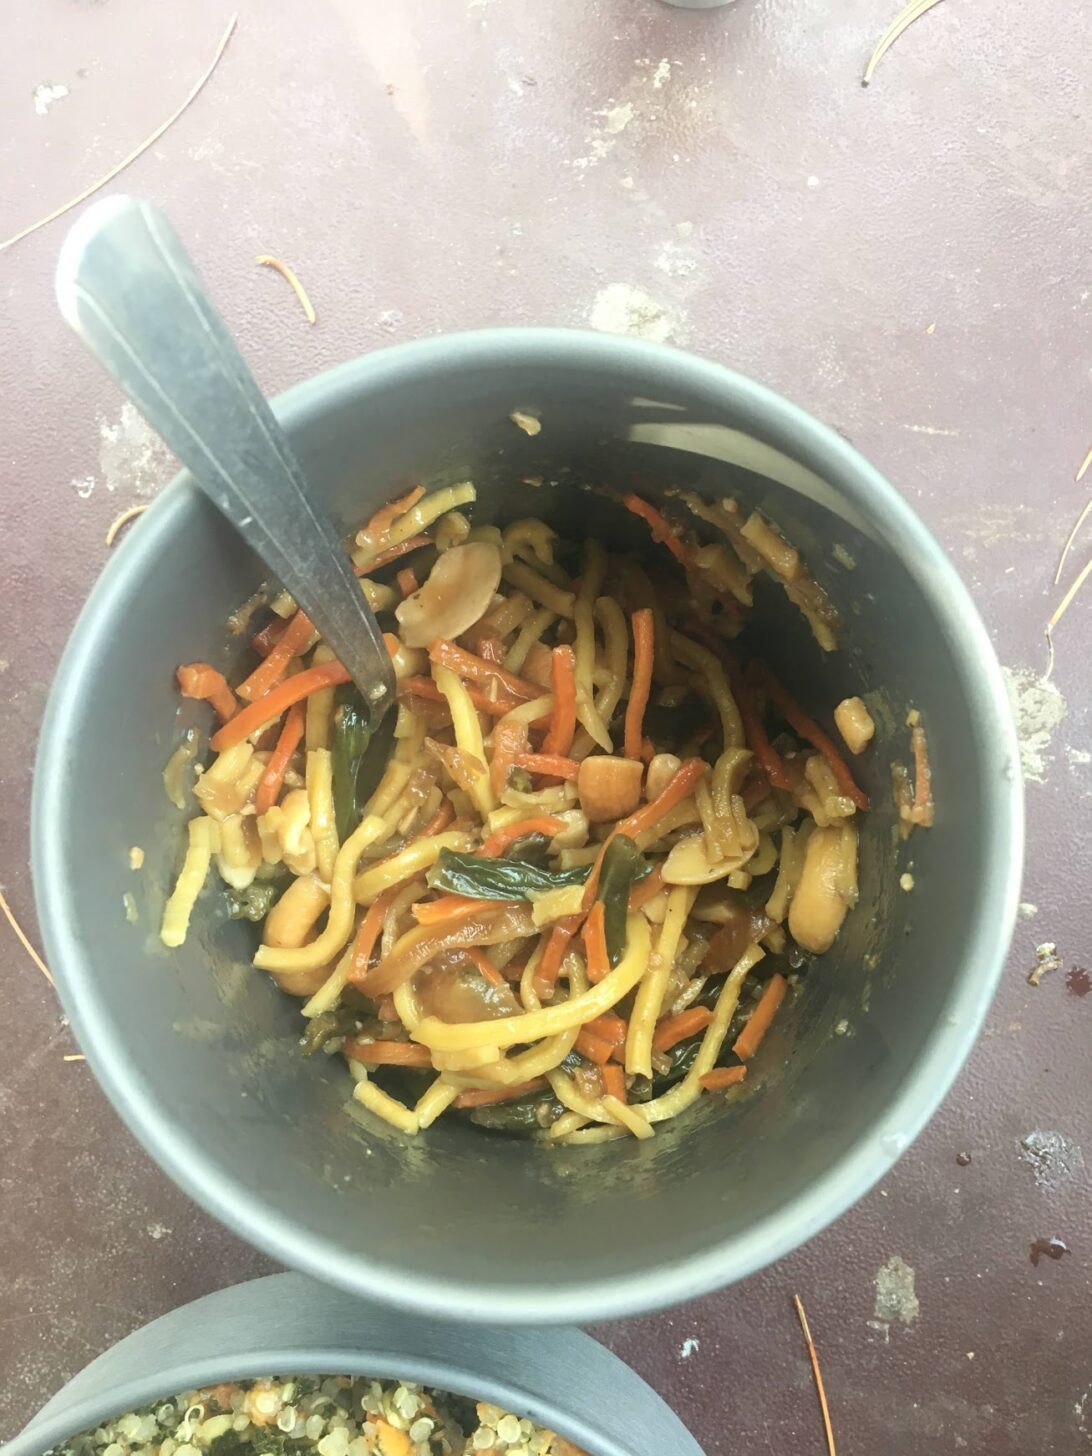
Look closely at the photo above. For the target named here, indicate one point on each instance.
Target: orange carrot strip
(368, 934)
(269, 785)
(485, 965)
(647, 889)
(559, 738)
(557, 943)
(755, 733)
(453, 907)
(466, 665)
(424, 687)
(643, 636)
(681, 784)
(595, 942)
(809, 730)
(378, 527)
(388, 1053)
(593, 1048)
(508, 740)
(720, 1078)
(489, 647)
(201, 680)
(609, 1028)
(502, 839)
(268, 673)
(614, 1081)
(407, 581)
(263, 642)
(274, 703)
(750, 1038)
(486, 1096)
(549, 763)
(440, 820)
(677, 1028)
(662, 529)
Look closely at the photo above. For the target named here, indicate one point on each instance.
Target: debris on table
(120, 522)
(1053, 1248)
(1046, 960)
(813, 1356)
(905, 18)
(9, 915)
(267, 260)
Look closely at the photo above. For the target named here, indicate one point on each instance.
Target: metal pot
(199, 1052)
(287, 1325)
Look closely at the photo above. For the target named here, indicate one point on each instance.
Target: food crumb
(906, 882)
(963, 1159)
(913, 718)
(843, 558)
(841, 1027)
(1046, 959)
(132, 914)
(854, 722)
(529, 424)
(136, 857)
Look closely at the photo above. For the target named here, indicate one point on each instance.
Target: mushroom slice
(459, 591)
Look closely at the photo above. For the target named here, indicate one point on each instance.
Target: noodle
(203, 839)
(650, 994)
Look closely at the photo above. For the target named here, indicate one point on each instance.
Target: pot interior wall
(457, 1205)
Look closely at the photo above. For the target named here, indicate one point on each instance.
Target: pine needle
(35, 957)
(133, 155)
(1085, 463)
(73, 1057)
(905, 18)
(813, 1356)
(1061, 609)
(266, 260)
(123, 520)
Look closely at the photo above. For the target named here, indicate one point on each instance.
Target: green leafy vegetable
(253, 903)
(498, 879)
(623, 863)
(352, 735)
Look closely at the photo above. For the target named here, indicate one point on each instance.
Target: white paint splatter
(675, 261)
(684, 229)
(931, 430)
(157, 1231)
(131, 454)
(895, 1296)
(689, 1347)
(1038, 708)
(813, 181)
(661, 75)
(1028, 911)
(4, 664)
(614, 120)
(1078, 757)
(84, 486)
(45, 96)
(1052, 1158)
(622, 309)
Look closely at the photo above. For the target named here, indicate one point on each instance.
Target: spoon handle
(127, 287)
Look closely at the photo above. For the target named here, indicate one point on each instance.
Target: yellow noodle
(418, 856)
(395, 910)
(588, 1135)
(533, 535)
(339, 923)
(535, 1062)
(630, 1117)
(568, 1122)
(331, 988)
(553, 904)
(320, 798)
(385, 1106)
(642, 593)
(413, 521)
(507, 614)
(677, 818)
(672, 1102)
(570, 1096)
(437, 1098)
(320, 706)
(468, 735)
(451, 530)
(535, 585)
(612, 620)
(789, 868)
(532, 1025)
(529, 633)
(203, 834)
(707, 665)
(650, 993)
(467, 1059)
(528, 712)
(240, 851)
(595, 565)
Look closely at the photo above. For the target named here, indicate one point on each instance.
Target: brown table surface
(909, 262)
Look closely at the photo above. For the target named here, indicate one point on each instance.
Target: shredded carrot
(452, 907)
(424, 687)
(648, 750)
(487, 1097)
(407, 581)
(662, 529)
(508, 740)
(559, 738)
(267, 674)
(549, 763)
(721, 1078)
(200, 680)
(267, 260)
(646, 889)
(489, 647)
(643, 639)
(263, 642)
(440, 820)
(393, 553)
(388, 1053)
(681, 784)
(273, 704)
(269, 785)
(503, 839)
(614, 1081)
(378, 528)
(593, 1048)
(368, 934)
(750, 1038)
(484, 965)
(595, 942)
(754, 731)
(677, 1028)
(809, 730)
(609, 1028)
(557, 943)
(466, 665)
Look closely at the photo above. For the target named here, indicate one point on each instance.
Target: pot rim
(939, 1060)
